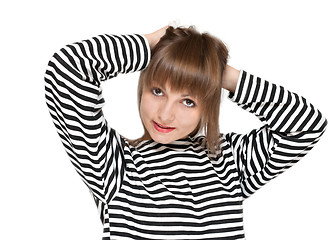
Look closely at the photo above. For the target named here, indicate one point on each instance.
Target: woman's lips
(162, 128)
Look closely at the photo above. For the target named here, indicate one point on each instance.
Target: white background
(285, 42)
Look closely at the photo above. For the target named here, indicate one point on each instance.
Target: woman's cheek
(148, 105)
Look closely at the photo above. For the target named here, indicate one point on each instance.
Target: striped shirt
(176, 190)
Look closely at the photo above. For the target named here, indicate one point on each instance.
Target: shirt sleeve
(291, 128)
(74, 99)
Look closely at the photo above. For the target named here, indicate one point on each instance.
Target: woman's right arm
(74, 99)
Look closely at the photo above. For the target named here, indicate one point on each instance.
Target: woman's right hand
(154, 37)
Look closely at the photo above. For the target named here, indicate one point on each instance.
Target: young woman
(182, 179)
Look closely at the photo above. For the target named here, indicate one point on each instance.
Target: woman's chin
(162, 139)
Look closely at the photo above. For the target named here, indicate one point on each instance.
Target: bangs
(188, 65)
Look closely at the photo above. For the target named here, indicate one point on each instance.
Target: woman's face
(169, 115)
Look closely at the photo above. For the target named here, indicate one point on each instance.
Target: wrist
(230, 78)
(149, 39)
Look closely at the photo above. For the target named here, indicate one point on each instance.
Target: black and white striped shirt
(177, 190)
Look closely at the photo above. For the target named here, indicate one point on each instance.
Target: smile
(163, 129)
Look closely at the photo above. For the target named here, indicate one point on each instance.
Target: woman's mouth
(162, 128)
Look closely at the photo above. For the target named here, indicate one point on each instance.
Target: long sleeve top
(175, 190)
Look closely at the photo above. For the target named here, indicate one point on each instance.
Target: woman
(182, 179)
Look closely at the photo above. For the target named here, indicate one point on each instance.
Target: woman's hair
(190, 61)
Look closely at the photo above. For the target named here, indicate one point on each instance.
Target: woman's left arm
(292, 127)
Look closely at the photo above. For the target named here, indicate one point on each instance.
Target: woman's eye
(188, 103)
(157, 92)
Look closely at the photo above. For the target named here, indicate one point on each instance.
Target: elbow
(324, 125)
(321, 124)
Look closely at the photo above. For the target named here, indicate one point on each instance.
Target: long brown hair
(191, 61)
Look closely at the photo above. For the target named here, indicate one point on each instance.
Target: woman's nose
(167, 112)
